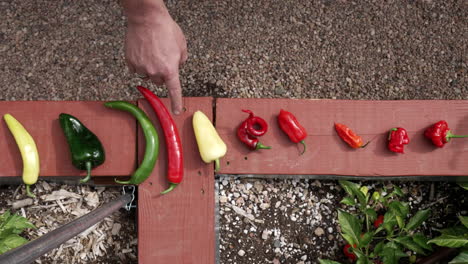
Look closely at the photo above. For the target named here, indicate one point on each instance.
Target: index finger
(175, 93)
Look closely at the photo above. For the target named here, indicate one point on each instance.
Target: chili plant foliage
(11, 225)
(374, 240)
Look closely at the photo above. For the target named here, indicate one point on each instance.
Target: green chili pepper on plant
(151, 137)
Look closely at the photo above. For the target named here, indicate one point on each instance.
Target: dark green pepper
(86, 149)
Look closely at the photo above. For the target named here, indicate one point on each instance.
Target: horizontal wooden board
(327, 154)
(115, 129)
(177, 227)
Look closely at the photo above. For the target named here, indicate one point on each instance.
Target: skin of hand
(155, 46)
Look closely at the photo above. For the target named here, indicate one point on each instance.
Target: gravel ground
(416, 49)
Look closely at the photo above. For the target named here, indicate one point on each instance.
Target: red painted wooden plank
(328, 155)
(115, 129)
(179, 226)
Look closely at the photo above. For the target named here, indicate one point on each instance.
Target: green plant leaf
(450, 241)
(363, 260)
(422, 241)
(389, 221)
(397, 190)
(10, 242)
(418, 219)
(464, 220)
(366, 239)
(378, 248)
(326, 261)
(348, 238)
(350, 225)
(408, 243)
(454, 231)
(353, 189)
(464, 185)
(348, 201)
(462, 258)
(399, 208)
(391, 255)
(371, 214)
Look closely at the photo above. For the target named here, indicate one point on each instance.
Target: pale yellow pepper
(210, 144)
(28, 150)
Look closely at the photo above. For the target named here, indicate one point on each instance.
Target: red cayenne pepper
(349, 136)
(175, 170)
(348, 254)
(295, 131)
(250, 129)
(440, 133)
(397, 139)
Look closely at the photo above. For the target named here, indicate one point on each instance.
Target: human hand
(156, 48)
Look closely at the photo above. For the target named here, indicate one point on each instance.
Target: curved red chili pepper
(440, 134)
(250, 141)
(289, 124)
(256, 126)
(397, 139)
(175, 169)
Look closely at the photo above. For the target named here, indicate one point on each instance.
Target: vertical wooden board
(115, 129)
(177, 227)
(327, 154)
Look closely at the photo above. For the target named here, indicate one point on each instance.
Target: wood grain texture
(115, 129)
(327, 154)
(177, 227)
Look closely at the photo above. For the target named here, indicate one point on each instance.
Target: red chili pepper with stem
(289, 124)
(250, 129)
(440, 134)
(397, 139)
(349, 136)
(250, 141)
(175, 170)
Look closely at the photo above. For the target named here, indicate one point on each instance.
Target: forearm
(139, 11)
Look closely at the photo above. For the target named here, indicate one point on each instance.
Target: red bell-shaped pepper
(295, 131)
(440, 134)
(397, 139)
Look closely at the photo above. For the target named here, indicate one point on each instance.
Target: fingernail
(176, 112)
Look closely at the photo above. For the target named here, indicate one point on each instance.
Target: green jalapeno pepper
(86, 149)
(151, 137)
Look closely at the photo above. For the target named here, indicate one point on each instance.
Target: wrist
(144, 11)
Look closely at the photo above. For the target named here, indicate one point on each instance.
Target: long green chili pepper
(151, 137)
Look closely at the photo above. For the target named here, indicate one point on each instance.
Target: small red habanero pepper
(175, 167)
(250, 129)
(397, 139)
(440, 133)
(348, 136)
(348, 254)
(379, 221)
(295, 131)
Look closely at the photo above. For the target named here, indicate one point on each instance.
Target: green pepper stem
(217, 166)
(365, 145)
(171, 187)
(28, 191)
(123, 182)
(304, 144)
(88, 172)
(261, 146)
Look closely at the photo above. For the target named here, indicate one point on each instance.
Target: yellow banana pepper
(28, 150)
(210, 144)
